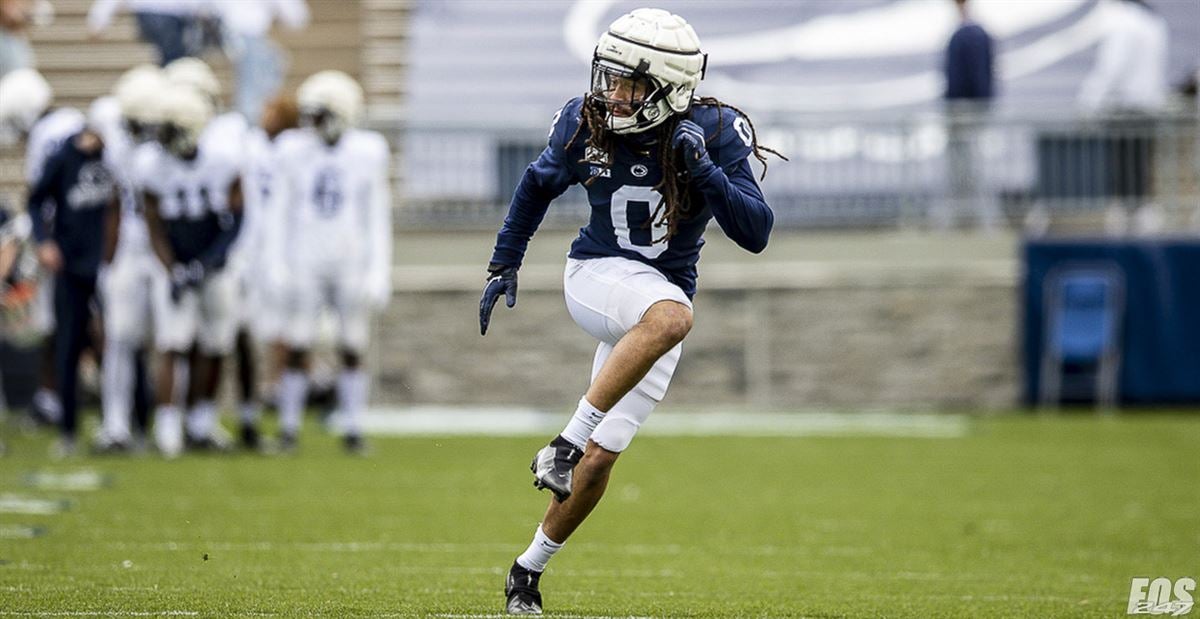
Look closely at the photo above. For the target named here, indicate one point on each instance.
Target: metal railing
(966, 169)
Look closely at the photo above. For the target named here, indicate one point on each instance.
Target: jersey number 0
(631, 210)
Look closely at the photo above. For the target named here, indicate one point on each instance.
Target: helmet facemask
(633, 101)
(324, 121)
(179, 141)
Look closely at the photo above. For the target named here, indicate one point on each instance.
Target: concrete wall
(803, 337)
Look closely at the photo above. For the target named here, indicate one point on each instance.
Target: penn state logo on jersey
(328, 193)
(93, 188)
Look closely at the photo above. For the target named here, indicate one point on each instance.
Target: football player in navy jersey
(658, 163)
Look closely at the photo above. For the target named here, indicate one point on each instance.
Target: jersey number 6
(631, 209)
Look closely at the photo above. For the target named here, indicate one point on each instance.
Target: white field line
(805, 548)
(456, 421)
(19, 504)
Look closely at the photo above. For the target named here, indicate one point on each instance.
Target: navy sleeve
(544, 180)
(41, 193)
(728, 187)
(213, 257)
(738, 205)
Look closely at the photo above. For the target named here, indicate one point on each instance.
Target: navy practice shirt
(623, 198)
(78, 187)
(969, 64)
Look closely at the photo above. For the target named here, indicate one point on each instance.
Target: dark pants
(73, 295)
(164, 32)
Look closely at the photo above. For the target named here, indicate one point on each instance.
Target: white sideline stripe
(457, 421)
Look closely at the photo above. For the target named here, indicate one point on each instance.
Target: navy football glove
(503, 280)
(688, 143)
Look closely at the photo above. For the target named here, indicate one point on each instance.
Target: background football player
(657, 164)
(127, 118)
(193, 205)
(261, 316)
(26, 114)
(224, 136)
(333, 239)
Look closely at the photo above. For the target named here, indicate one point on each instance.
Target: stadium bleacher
(365, 38)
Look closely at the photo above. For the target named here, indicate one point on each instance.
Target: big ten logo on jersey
(327, 192)
(1161, 596)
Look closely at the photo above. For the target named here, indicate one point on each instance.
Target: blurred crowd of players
(164, 233)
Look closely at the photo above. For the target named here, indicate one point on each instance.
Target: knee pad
(654, 384)
(615, 432)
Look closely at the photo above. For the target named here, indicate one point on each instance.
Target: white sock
(352, 399)
(168, 430)
(582, 423)
(539, 552)
(250, 412)
(202, 419)
(117, 376)
(293, 391)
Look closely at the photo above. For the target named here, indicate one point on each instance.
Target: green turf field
(1022, 517)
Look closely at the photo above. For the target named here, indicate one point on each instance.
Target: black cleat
(554, 465)
(354, 445)
(521, 591)
(249, 438)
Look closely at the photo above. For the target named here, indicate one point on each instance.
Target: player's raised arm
(731, 192)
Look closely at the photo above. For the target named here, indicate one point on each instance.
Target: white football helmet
(194, 73)
(330, 102)
(185, 112)
(646, 67)
(139, 92)
(24, 97)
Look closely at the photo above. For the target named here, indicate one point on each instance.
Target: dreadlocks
(675, 205)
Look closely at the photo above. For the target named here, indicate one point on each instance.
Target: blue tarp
(1160, 331)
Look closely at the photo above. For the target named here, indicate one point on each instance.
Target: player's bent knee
(614, 433)
(671, 320)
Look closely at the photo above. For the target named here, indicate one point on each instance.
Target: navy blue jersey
(623, 198)
(78, 186)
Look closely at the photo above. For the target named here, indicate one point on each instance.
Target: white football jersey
(258, 173)
(186, 189)
(335, 202)
(46, 136)
(119, 150)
